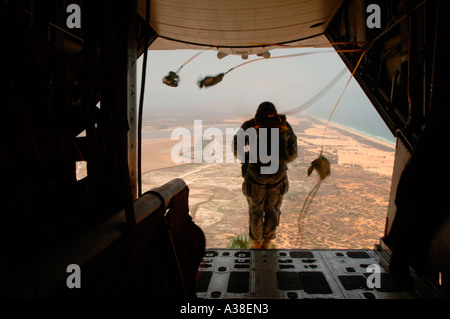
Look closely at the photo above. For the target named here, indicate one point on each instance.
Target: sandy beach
(348, 211)
(354, 148)
(156, 154)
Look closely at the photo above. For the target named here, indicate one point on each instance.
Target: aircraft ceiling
(237, 26)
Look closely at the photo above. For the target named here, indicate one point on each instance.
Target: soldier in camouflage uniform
(264, 192)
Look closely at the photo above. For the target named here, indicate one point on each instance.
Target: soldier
(264, 189)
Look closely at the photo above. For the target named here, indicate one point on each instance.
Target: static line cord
(306, 204)
(276, 57)
(192, 58)
(313, 192)
(337, 103)
(395, 21)
(390, 25)
(272, 45)
(290, 56)
(323, 45)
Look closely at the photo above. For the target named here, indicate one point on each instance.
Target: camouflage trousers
(264, 202)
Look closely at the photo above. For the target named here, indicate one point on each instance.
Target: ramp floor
(295, 274)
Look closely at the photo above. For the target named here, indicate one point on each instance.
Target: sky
(287, 82)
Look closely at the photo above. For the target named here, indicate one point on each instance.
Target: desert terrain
(348, 210)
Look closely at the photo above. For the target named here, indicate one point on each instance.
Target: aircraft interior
(61, 78)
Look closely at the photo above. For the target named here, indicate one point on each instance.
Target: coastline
(351, 147)
(373, 141)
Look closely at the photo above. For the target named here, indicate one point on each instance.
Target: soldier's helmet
(264, 110)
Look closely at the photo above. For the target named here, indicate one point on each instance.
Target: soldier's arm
(292, 145)
(235, 150)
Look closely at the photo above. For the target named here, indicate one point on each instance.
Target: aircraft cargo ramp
(297, 274)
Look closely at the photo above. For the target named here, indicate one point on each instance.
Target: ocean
(373, 131)
(359, 117)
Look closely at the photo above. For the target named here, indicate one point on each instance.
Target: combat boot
(266, 244)
(255, 245)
